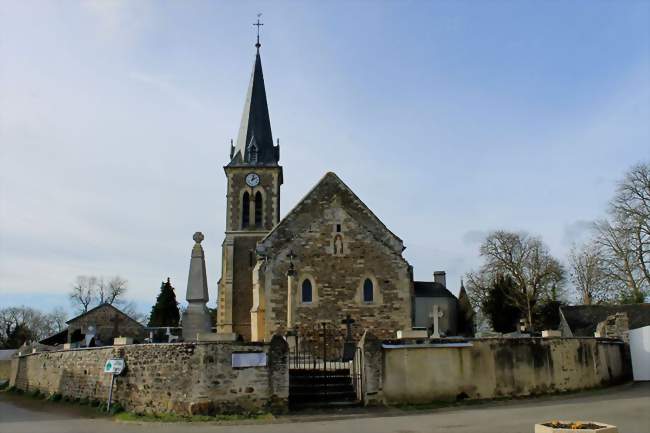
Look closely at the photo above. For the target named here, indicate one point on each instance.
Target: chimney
(440, 277)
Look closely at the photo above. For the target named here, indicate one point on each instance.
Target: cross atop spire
(258, 24)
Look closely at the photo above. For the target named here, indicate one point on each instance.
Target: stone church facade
(330, 257)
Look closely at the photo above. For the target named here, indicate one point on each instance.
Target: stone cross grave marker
(436, 313)
(349, 346)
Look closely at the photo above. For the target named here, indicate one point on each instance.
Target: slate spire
(254, 144)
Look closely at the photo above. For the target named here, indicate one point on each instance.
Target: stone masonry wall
(182, 378)
(490, 368)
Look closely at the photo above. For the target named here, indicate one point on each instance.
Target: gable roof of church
(324, 192)
(254, 144)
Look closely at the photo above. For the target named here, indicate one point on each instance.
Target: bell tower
(252, 205)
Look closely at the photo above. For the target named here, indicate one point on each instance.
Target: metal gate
(324, 367)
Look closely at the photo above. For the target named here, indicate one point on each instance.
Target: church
(329, 259)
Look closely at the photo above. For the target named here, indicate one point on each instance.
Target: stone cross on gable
(436, 313)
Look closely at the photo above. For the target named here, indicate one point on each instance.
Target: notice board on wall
(248, 359)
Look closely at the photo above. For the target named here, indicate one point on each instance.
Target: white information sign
(249, 359)
(114, 366)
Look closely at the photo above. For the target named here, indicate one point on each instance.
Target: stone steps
(316, 388)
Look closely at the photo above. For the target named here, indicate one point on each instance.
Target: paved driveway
(626, 406)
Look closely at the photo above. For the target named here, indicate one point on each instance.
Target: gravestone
(91, 333)
(349, 346)
(436, 314)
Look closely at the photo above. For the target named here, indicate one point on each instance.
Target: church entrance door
(324, 366)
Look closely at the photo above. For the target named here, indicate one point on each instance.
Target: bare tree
(56, 319)
(116, 289)
(83, 292)
(131, 310)
(630, 209)
(23, 324)
(101, 290)
(619, 260)
(88, 290)
(589, 275)
(525, 258)
(624, 238)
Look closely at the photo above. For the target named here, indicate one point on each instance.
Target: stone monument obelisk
(196, 319)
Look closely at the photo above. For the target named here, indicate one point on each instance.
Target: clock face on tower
(252, 179)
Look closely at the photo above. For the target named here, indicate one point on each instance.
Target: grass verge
(168, 417)
(95, 405)
(463, 401)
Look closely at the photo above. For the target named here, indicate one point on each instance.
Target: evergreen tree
(547, 315)
(165, 311)
(503, 316)
(465, 313)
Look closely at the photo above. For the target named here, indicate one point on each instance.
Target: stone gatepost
(371, 363)
(278, 364)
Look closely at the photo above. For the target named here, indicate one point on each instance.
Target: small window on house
(368, 291)
(246, 209)
(258, 209)
(253, 152)
(338, 228)
(306, 292)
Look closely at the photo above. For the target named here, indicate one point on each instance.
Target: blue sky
(449, 119)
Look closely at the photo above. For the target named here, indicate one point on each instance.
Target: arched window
(368, 291)
(258, 209)
(246, 210)
(306, 292)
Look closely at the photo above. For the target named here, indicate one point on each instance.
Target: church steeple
(252, 205)
(254, 144)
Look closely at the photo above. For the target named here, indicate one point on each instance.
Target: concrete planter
(603, 428)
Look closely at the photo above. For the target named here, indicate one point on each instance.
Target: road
(626, 406)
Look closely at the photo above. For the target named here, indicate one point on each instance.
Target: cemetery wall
(182, 378)
(492, 368)
(5, 369)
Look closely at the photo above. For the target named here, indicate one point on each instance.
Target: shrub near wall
(181, 378)
(492, 368)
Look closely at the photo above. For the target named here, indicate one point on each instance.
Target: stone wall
(183, 378)
(615, 326)
(491, 368)
(5, 369)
